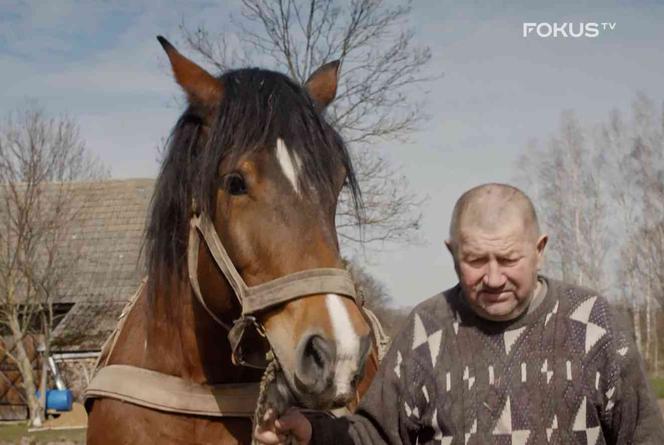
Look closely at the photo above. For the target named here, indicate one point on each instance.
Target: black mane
(258, 107)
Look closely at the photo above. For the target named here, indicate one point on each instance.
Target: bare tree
(636, 154)
(564, 180)
(375, 297)
(614, 137)
(601, 191)
(39, 159)
(647, 270)
(382, 68)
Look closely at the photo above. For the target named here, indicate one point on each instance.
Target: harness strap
(152, 389)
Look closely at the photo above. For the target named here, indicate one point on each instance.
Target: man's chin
(498, 311)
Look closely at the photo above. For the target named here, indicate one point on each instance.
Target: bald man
(505, 357)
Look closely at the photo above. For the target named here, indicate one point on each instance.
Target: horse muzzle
(325, 378)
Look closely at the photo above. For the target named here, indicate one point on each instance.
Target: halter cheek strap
(192, 266)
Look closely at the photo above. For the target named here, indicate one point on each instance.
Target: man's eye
(475, 261)
(509, 261)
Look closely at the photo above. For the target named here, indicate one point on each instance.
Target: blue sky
(100, 63)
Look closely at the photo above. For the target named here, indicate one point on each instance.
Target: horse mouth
(279, 394)
(284, 394)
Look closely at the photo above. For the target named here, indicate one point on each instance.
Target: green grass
(12, 433)
(658, 386)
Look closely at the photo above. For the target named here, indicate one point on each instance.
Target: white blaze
(347, 342)
(290, 164)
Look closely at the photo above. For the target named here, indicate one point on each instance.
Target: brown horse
(254, 152)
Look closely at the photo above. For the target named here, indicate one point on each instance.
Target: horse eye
(235, 185)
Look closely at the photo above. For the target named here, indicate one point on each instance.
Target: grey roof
(106, 235)
(87, 326)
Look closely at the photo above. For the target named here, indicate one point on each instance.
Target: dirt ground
(76, 418)
(66, 429)
(18, 434)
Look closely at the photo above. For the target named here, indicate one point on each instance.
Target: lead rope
(269, 376)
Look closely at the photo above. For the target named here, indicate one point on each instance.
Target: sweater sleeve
(388, 411)
(635, 417)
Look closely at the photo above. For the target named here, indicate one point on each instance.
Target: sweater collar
(469, 317)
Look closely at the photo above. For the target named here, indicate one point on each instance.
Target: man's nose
(494, 277)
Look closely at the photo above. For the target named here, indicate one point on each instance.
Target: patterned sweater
(565, 373)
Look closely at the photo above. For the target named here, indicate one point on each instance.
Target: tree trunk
(42, 384)
(648, 354)
(656, 357)
(25, 368)
(656, 328)
(636, 311)
(46, 329)
(636, 317)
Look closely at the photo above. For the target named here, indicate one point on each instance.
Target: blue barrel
(58, 399)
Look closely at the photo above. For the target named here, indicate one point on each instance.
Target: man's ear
(450, 246)
(541, 245)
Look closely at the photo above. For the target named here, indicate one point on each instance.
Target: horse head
(254, 152)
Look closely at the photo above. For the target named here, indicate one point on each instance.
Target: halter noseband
(263, 296)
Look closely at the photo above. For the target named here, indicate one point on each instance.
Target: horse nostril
(314, 351)
(316, 360)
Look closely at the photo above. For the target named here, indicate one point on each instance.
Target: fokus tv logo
(566, 29)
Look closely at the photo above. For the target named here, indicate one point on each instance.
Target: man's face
(497, 268)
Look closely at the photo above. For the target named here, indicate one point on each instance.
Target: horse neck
(184, 340)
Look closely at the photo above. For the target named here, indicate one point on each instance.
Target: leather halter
(263, 296)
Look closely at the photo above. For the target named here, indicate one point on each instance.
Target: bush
(658, 386)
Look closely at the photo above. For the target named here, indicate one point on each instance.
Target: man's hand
(293, 424)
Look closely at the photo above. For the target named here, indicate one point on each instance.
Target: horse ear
(201, 87)
(322, 84)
